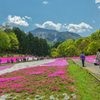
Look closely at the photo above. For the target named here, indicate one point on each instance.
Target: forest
(69, 48)
(16, 40)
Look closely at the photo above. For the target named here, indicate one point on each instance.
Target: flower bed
(4, 67)
(40, 80)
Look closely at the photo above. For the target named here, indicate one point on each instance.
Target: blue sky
(79, 16)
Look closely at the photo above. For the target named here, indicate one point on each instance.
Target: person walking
(82, 57)
(98, 56)
(0, 61)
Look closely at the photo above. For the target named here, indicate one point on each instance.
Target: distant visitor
(98, 56)
(82, 57)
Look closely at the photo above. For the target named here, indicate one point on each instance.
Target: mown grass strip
(88, 86)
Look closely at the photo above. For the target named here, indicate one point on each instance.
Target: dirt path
(89, 66)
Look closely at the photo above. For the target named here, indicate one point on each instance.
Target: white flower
(66, 96)
(36, 99)
(28, 99)
(73, 96)
(14, 97)
(57, 99)
(37, 96)
(42, 97)
(59, 95)
(3, 97)
(51, 97)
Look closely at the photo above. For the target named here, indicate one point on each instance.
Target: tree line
(89, 45)
(15, 40)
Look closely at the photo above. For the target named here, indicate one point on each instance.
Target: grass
(88, 86)
(84, 85)
(13, 55)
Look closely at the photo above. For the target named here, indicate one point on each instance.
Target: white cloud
(93, 21)
(99, 7)
(17, 20)
(78, 28)
(45, 2)
(28, 17)
(23, 18)
(50, 24)
(97, 1)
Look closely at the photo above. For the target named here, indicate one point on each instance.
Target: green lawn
(13, 55)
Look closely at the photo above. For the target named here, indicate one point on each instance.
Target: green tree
(14, 42)
(54, 52)
(4, 41)
(7, 28)
(22, 38)
(30, 43)
(95, 35)
(78, 42)
(93, 47)
(61, 49)
(71, 50)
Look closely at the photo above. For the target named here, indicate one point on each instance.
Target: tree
(95, 35)
(78, 42)
(22, 38)
(54, 52)
(30, 43)
(70, 51)
(93, 47)
(56, 45)
(61, 49)
(14, 42)
(7, 28)
(4, 41)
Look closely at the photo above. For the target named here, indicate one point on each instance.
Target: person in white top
(95, 61)
(98, 57)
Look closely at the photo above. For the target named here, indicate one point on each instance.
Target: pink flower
(70, 80)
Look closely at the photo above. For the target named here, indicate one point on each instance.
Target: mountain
(53, 35)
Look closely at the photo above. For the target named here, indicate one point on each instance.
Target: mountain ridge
(53, 35)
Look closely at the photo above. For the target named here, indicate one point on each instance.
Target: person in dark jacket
(82, 57)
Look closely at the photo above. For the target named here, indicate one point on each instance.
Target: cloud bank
(50, 24)
(17, 20)
(77, 28)
(99, 7)
(97, 1)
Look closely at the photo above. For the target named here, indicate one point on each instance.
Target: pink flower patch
(56, 73)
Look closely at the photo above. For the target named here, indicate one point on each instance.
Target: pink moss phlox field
(58, 62)
(4, 67)
(12, 79)
(91, 59)
(33, 78)
(56, 73)
(87, 58)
